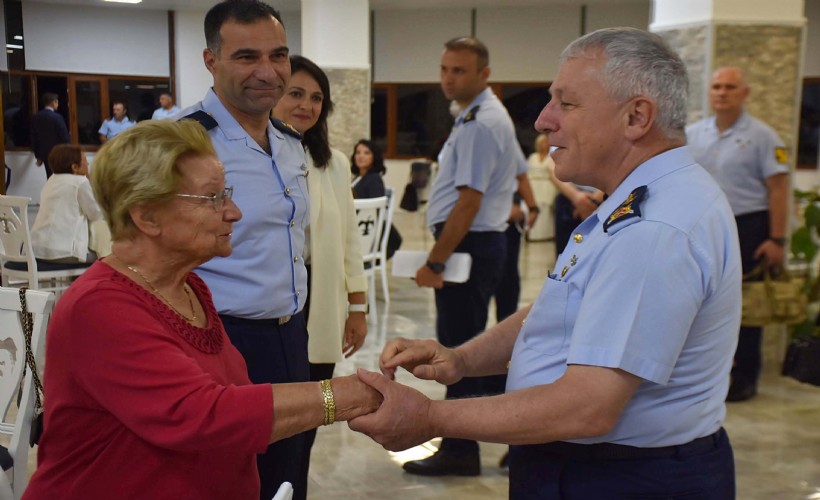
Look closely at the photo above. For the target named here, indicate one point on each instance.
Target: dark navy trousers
(275, 354)
(702, 470)
(462, 310)
(752, 230)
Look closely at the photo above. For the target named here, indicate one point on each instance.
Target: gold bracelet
(329, 402)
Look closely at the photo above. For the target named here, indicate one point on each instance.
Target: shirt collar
(741, 123)
(227, 123)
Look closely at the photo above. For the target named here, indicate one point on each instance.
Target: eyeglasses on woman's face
(218, 199)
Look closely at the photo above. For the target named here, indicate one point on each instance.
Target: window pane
(141, 97)
(88, 112)
(17, 104)
(378, 118)
(524, 103)
(424, 120)
(809, 126)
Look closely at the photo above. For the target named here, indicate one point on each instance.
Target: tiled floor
(776, 436)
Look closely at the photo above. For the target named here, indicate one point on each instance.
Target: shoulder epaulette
(627, 212)
(470, 116)
(204, 119)
(285, 128)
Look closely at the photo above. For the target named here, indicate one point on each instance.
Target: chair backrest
(17, 259)
(12, 360)
(14, 228)
(371, 214)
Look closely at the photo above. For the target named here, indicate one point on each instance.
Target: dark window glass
(55, 85)
(141, 97)
(424, 120)
(378, 118)
(17, 106)
(524, 103)
(88, 112)
(15, 53)
(809, 134)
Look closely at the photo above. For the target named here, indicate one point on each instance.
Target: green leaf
(803, 247)
(812, 215)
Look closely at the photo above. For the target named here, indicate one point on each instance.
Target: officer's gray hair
(640, 63)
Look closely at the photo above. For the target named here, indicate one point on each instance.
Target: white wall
(4, 64)
(407, 44)
(602, 15)
(811, 59)
(96, 40)
(525, 42)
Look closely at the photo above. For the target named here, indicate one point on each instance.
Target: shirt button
(296, 259)
(287, 190)
(578, 238)
(292, 223)
(298, 293)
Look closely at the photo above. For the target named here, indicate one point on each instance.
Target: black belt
(439, 227)
(611, 451)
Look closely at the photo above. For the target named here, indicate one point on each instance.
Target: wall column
(336, 36)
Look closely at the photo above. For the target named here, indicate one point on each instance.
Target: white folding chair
(381, 264)
(371, 214)
(18, 266)
(285, 492)
(12, 360)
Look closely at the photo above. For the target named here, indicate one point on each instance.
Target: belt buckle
(284, 319)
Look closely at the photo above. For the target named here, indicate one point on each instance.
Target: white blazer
(335, 257)
(60, 230)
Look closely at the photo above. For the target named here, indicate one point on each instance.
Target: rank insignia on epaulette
(470, 116)
(285, 127)
(781, 155)
(629, 209)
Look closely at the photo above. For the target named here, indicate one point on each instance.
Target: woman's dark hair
(378, 160)
(63, 156)
(316, 139)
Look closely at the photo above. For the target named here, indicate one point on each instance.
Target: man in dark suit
(47, 130)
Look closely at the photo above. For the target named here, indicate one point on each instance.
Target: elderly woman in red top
(145, 395)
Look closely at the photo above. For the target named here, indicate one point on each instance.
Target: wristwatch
(436, 267)
(779, 241)
(359, 308)
(535, 209)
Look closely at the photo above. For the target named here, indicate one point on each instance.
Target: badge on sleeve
(627, 212)
(781, 155)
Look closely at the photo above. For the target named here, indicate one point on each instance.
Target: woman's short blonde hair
(139, 167)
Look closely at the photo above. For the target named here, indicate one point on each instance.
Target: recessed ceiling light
(123, 1)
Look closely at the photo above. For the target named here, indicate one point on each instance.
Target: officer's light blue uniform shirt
(111, 127)
(481, 153)
(658, 296)
(163, 114)
(740, 159)
(265, 276)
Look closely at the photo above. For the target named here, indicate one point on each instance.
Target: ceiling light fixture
(123, 1)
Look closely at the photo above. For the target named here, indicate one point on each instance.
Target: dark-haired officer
(467, 212)
(261, 288)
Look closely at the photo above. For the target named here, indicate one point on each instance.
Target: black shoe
(741, 391)
(505, 461)
(444, 463)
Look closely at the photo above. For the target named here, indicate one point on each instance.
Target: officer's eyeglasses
(218, 200)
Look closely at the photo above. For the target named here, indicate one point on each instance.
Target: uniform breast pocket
(546, 327)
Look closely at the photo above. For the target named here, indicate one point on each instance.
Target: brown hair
(63, 156)
(473, 45)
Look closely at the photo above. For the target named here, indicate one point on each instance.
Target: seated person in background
(67, 206)
(367, 166)
(141, 375)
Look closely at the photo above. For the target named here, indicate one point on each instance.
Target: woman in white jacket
(336, 307)
(60, 232)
